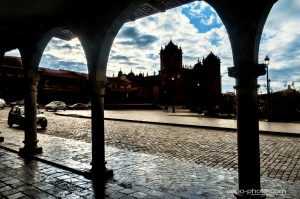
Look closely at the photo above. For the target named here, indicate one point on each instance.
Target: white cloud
(60, 54)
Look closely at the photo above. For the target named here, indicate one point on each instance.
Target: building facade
(197, 87)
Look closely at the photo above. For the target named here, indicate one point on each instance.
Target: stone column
(244, 21)
(1, 138)
(247, 128)
(31, 54)
(30, 126)
(97, 61)
(99, 170)
(96, 45)
(2, 53)
(97, 39)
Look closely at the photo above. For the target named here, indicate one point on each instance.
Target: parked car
(55, 106)
(2, 103)
(16, 115)
(78, 106)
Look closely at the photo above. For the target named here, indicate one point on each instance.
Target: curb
(233, 130)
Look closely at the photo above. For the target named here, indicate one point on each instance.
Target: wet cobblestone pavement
(166, 171)
(280, 155)
(137, 175)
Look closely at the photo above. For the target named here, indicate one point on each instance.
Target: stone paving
(137, 175)
(280, 155)
(187, 118)
(170, 169)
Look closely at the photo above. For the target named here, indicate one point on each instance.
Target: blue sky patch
(204, 21)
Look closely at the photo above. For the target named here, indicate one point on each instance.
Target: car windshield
(55, 102)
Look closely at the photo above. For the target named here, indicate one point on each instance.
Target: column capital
(31, 81)
(247, 71)
(98, 87)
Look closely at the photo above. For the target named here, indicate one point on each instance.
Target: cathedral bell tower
(172, 89)
(171, 58)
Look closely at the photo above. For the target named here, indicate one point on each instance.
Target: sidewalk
(184, 117)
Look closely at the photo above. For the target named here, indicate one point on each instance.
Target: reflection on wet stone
(163, 174)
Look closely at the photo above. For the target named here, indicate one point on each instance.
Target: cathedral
(197, 87)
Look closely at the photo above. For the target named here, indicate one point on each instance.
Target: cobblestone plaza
(149, 161)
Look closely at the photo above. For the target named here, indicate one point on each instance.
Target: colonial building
(62, 85)
(119, 89)
(11, 77)
(197, 87)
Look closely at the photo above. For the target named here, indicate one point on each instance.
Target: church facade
(197, 87)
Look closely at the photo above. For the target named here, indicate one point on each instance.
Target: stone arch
(97, 43)
(68, 59)
(31, 49)
(244, 22)
(252, 19)
(282, 52)
(96, 38)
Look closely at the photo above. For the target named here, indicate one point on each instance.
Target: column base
(99, 176)
(249, 196)
(27, 152)
(1, 139)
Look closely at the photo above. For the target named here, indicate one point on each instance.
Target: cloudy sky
(197, 28)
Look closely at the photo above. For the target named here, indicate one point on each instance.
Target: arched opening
(63, 73)
(244, 71)
(195, 28)
(12, 77)
(136, 50)
(279, 91)
(280, 41)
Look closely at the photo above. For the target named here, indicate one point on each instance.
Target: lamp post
(173, 94)
(267, 62)
(198, 103)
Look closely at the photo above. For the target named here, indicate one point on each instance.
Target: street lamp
(173, 95)
(267, 62)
